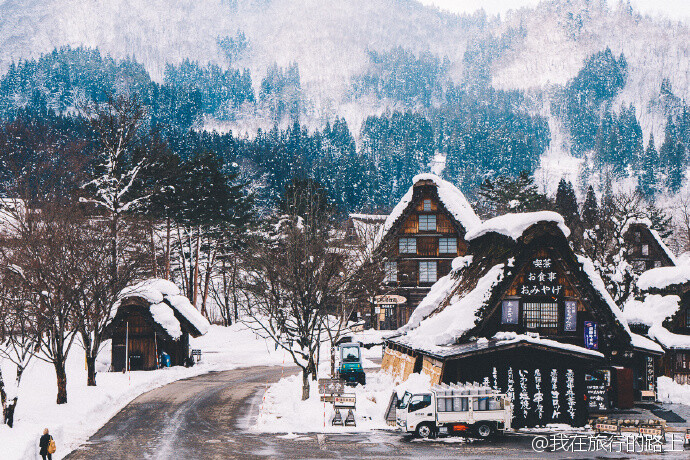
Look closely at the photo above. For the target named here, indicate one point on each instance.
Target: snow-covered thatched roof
(664, 277)
(514, 225)
(645, 222)
(459, 305)
(450, 197)
(168, 308)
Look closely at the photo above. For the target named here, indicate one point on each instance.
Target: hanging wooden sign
(389, 299)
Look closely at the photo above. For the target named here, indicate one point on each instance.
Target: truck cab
(350, 368)
(465, 410)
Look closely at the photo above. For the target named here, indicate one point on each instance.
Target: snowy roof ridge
(514, 225)
(667, 338)
(164, 301)
(514, 337)
(664, 277)
(360, 216)
(450, 196)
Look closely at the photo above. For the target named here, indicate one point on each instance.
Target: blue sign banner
(591, 339)
(510, 312)
(570, 316)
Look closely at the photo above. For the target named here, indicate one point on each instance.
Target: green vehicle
(350, 368)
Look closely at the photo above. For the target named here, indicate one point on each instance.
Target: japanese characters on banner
(555, 396)
(650, 373)
(570, 392)
(541, 395)
(570, 323)
(538, 397)
(510, 312)
(591, 336)
(541, 279)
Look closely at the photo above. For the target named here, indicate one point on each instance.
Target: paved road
(207, 417)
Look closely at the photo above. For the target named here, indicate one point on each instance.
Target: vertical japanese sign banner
(570, 323)
(510, 312)
(591, 338)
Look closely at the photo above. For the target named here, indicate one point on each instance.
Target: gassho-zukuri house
(152, 318)
(419, 240)
(523, 313)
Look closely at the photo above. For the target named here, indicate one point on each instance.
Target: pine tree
(590, 209)
(566, 203)
(647, 178)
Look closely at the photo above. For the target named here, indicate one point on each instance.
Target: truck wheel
(425, 431)
(484, 430)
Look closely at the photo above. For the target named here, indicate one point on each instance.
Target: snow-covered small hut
(525, 314)
(150, 318)
(644, 247)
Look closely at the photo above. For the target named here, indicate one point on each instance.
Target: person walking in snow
(45, 445)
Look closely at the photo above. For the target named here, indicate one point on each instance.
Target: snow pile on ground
(669, 391)
(514, 225)
(457, 317)
(88, 408)
(663, 277)
(283, 411)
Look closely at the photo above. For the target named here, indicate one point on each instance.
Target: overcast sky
(675, 9)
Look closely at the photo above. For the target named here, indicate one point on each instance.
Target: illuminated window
(645, 249)
(407, 246)
(540, 315)
(448, 245)
(427, 272)
(427, 223)
(391, 269)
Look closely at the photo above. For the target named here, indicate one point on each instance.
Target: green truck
(350, 368)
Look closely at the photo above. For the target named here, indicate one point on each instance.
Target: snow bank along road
(209, 417)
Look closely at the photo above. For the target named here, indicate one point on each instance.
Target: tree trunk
(61, 382)
(8, 412)
(90, 370)
(114, 249)
(195, 279)
(167, 249)
(305, 385)
(153, 251)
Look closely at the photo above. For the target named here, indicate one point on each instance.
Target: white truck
(467, 410)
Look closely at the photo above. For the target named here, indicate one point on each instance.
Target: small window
(427, 223)
(391, 269)
(427, 205)
(639, 265)
(448, 245)
(645, 249)
(427, 272)
(407, 246)
(418, 402)
(638, 237)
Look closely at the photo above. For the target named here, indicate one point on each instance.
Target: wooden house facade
(419, 240)
(645, 249)
(529, 317)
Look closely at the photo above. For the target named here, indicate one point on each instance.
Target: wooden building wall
(643, 250)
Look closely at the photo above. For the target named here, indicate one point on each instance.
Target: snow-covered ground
(283, 410)
(669, 391)
(88, 408)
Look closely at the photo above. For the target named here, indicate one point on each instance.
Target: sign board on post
(346, 401)
(597, 396)
(389, 299)
(591, 339)
(331, 386)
